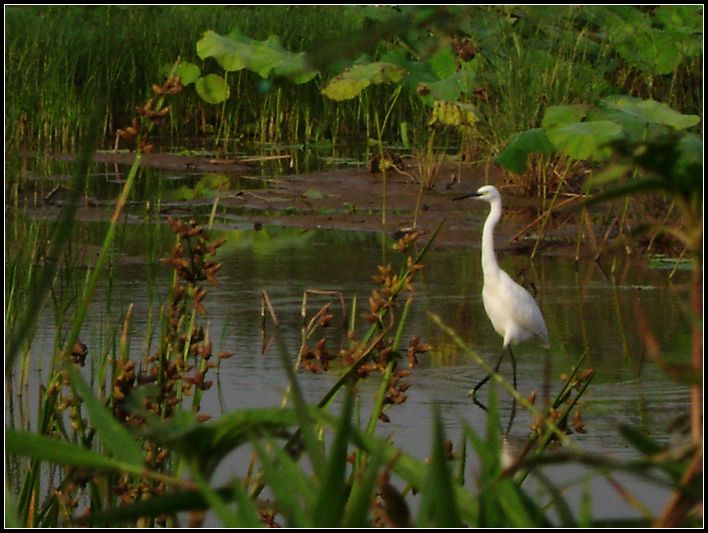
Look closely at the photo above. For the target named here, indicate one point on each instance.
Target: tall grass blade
(60, 236)
(166, 504)
(558, 501)
(115, 437)
(213, 499)
(306, 423)
(12, 519)
(516, 509)
(294, 491)
(61, 452)
(438, 506)
(362, 495)
(409, 468)
(214, 440)
(329, 508)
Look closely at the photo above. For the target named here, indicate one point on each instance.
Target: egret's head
(488, 193)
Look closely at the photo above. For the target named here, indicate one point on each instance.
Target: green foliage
(453, 114)
(581, 132)
(511, 63)
(114, 436)
(585, 140)
(672, 163)
(655, 42)
(340, 494)
(649, 112)
(357, 78)
(212, 88)
(188, 73)
(60, 58)
(438, 506)
(235, 52)
(522, 144)
(489, 70)
(267, 58)
(59, 451)
(207, 186)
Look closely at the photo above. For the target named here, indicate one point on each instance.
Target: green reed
(145, 441)
(62, 58)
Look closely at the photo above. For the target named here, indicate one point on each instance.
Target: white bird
(513, 312)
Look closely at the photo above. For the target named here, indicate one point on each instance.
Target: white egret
(513, 312)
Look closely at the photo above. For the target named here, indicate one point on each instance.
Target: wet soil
(167, 161)
(353, 199)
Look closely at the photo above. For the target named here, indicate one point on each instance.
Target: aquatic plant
(470, 58)
(143, 455)
(670, 164)
(120, 442)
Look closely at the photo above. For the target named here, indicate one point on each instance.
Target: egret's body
(513, 312)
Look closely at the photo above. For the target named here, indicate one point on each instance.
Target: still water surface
(584, 309)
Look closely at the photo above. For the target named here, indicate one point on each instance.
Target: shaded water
(586, 311)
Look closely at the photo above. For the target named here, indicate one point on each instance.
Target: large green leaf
(352, 81)
(232, 52)
(686, 19)
(560, 115)
(237, 52)
(213, 88)
(187, 72)
(443, 62)
(514, 157)
(666, 52)
(269, 57)
(447, 89)
(420, 78)
(654, 43)
(585, 140)
(649, 111)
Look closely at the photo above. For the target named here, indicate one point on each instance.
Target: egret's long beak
(470, 195)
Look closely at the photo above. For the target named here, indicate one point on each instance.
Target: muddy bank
(167, 161)
(351, 199)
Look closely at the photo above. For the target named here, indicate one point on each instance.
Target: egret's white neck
(490, 266)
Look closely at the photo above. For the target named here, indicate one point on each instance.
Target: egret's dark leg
(486, 378)
(511, 417)
(513, 400)
(513, 364)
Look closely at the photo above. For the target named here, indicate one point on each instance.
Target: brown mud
(167, 161)
(353, 199)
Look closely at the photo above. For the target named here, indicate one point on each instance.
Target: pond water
(587, 310)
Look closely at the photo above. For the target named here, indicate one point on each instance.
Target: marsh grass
(128, 438)
(115, 432)
(72, 55)
(525, 60)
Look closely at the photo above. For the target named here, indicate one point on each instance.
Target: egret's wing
(524, 309)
